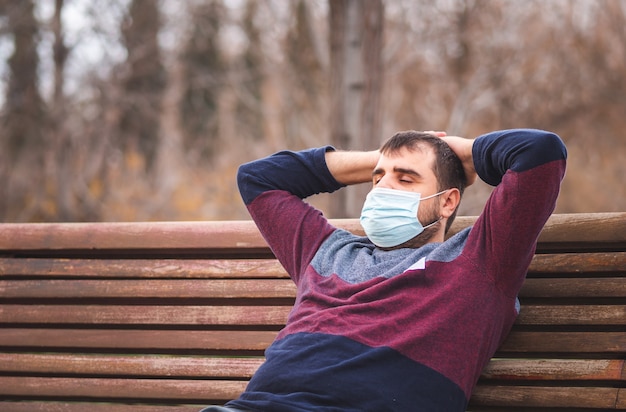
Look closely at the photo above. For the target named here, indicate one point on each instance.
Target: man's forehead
(416, 163)
(424, 156)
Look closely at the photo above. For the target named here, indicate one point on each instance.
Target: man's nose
(386, 182)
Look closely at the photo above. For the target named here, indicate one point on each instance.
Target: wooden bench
(175, 316)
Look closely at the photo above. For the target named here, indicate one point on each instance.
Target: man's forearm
(350, 168)
(515, 149)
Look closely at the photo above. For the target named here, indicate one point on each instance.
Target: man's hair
(447, 167)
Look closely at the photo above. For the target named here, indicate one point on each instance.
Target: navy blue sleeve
(302, 173)
(517, 149)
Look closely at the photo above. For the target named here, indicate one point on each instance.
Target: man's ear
(450, 201)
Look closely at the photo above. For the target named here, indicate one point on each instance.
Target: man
(400, 320)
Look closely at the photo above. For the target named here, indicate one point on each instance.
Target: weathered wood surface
(190, 390)
(561, 369)
(546, 342)
(145, 315)
(550, 397)
(269, 288)
(173, 316)
(519, 343)
(256, 268)
(585, 230)
(239, 368)
(599, 315)
(149, 288)
(138, 340)
(132, 366)
(143, 268)
(56, 406)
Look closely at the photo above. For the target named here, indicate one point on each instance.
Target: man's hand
(463, 149)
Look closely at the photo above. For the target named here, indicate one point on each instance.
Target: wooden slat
(547, 397)
(144, 340)
(104, 388)
(244, 368)
(572, 315)
(612, 287)
(567, 229)
(144, 315)
(533, 287)
(555, 369)
(132, 235)
(254, 268)
(262, 315)
(598, 262)
(586, 228)
(43, 406)
(155, 389)
(518, 342)
(143, 268)
(149, 288)
(130, 366)
(579, 343)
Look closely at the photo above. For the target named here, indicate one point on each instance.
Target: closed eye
(413, 174)
(377, 175)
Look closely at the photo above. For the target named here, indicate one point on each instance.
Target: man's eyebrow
(402, 170)
(407, 171)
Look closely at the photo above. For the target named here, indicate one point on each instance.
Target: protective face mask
(389, 216)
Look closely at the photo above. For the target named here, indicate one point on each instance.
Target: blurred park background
(142, 110)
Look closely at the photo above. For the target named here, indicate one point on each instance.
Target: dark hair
(447, 166)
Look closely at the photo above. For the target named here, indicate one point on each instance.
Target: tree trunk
(145, 81)
(59, 159)
(23, 121)
(356, 38)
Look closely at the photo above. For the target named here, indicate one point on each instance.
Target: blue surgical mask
(389, 216)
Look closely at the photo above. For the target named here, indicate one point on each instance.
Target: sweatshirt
(400, 330)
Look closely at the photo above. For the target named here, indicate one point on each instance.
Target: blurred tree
(249, 77)
(203, 76)
(59, 160)
(144, 81)
(23, 121)
(302, 54)
(356, 75)
(60, 53)
(305, 116)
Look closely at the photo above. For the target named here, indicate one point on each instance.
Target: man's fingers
(436, 133)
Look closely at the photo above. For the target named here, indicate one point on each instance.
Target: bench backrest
(174, 316)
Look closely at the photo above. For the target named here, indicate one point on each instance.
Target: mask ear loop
(440, 217)
(436, 221)
(436, 194)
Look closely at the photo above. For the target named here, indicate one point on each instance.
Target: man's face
(412, 171)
